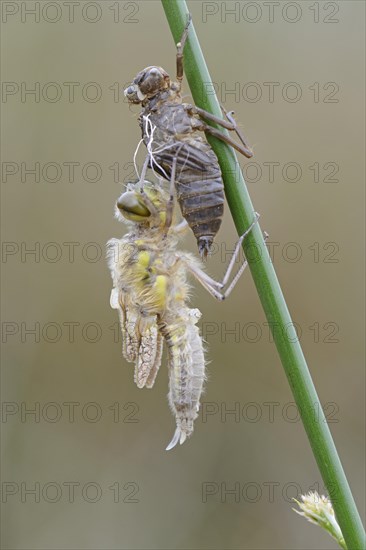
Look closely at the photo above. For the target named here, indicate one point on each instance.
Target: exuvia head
(147, 84)
(143, 204)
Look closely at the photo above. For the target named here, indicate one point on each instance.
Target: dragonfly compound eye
(132, 207)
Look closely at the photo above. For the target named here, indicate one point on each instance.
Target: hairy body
(150, 291)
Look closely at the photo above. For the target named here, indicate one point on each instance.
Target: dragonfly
(151, 293)
(179, 128)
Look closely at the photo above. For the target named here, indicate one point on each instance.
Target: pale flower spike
(319, 510)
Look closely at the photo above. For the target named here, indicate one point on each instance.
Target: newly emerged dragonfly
(198, 180)
(150, 291)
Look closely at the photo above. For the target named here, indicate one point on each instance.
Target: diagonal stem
(269, 291)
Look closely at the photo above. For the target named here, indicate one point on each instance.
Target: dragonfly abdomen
(186, 371)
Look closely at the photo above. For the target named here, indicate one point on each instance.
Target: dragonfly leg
(170, 203)
(180, 48)
(229, 124)
(181, 227)
(239, 133)
(243, 149)
(143, 172)
(215, 288)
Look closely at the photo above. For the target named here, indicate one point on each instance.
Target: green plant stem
(269, 291)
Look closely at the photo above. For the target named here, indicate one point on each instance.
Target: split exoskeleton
(178, 135)
(151, 294)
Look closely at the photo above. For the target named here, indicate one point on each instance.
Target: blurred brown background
(93, 451)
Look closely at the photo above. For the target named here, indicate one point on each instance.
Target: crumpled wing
(149, 353)
(129, 325)
(142, 342)
(155, 367)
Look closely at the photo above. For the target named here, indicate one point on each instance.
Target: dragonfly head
(144, 205)
(147, 84)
